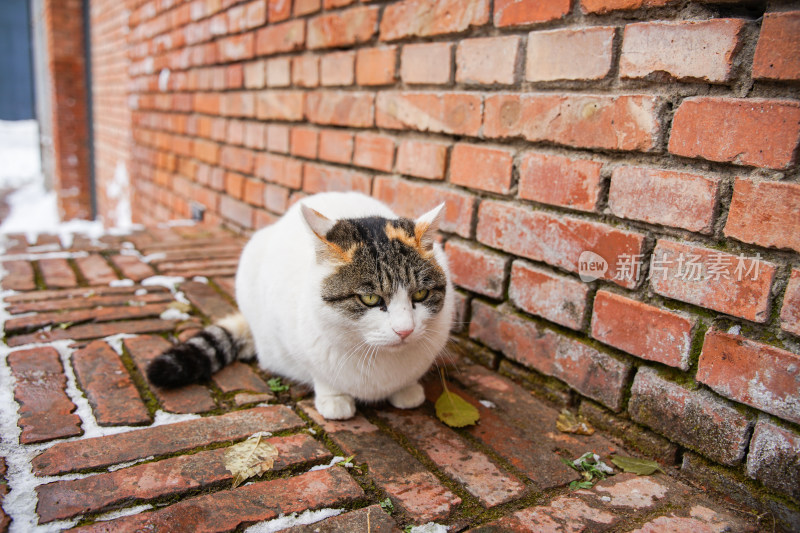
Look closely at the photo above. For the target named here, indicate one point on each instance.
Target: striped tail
(202, 355)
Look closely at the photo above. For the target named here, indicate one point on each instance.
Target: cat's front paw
(409, 397)
(335, 407)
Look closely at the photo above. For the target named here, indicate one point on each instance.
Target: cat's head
(385, 282)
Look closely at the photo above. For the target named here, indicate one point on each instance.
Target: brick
(238, 159)
(376, 66)
(476, 269)
(236, 47)
(321, 178)
(100, 452)
(82, 298)
(765, 213)
(677, 199)
(239, 104)
(697, 419)
(57, 273)
(305, 71)
(422, 18)
(65, 319)
(694, 50)
(607, 6)
(452, 113)
(572, 511)
(592, 373)
(481, 167)
(371, 518)
(304, 142)
(168, 477)
(211, 303)
(557, 240)
(374, 151)
(698, 518)
(487, 60)
(253, 192)
(422, 159)
(336, 146)
(84, 332)
(341, 108)
(333, 4)
(337, 68)
(392, 468)
(561, 181)
(698, 120)
(773, 458)
(790, 311)
(414, 199)
(280, 170)
(426, 63)
(279, 10)
(277, 140)
(456, 457)
(305, 7)
(747, 371)
(238, 212)
(560, 299)
(18, 276)
(45, 410)
(279, 72)
(342, 28)
(522, 12)
(777, 54)
(276, 198)
(280, 105)
(642, 330)
(239, 376)
(624, 122)
(254, 134)
(283, 37)
(239, 507)
(561, 54)
(735, 285)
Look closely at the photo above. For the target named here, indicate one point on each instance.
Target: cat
(340, 293)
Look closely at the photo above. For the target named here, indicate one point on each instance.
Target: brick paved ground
(89, 445)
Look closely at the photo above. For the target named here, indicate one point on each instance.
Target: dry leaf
(640, 467)
(455, 411)
(180, 306)
(250, 458)
(569, 423)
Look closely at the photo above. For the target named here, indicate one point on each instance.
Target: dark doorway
(16, 79)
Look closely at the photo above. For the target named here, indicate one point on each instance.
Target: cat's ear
(319, 223)
(426, 226)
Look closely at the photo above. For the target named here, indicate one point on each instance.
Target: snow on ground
(19, 152)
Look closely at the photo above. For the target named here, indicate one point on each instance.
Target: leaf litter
(250, 458)
(567, 422)
(454, 410)
(641, 467)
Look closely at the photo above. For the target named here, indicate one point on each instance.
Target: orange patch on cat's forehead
(395, 233)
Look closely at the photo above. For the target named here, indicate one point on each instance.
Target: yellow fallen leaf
(455, 411)
(250, 458)
(569, 423)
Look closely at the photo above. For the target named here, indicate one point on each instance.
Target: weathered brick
(57, 273)
(18, 276)
(374, 151)
(280, 170)
(108, 386)
(277, 140)
(623, 122)
(168, 477)
(579, 515)
(423, 18)
(699, 517)
(790, 311)
(84, 332)
(392, 468)
(607, 6)
(279, 72)
(561, 54)
(238, 159)
(207, 300)
(589, 371)
(452, 113)
(305, 70)
(341, 108)
(304, 142)
(476, 269)
(698, 121)
(677, 199)
(773, 458)
(283, 37)
(236, 47)
(280, 105)
(557, 240)
(82, 298)
(376, 66)
(238, 212)
(235, 508)
(747, 371)
(255, 75)
(702, 50)
(279, 10)
(519, 12)
(304, 7)
(765, 213)
(557, 298)
(414, 199)
(100, 452)
(481, 167)
(642, 330)
(731, 284)
(371, 518)
(697, 419)
(337, 68)
(321, 178)
(342, 28)
(45, 410)
(426, 63)
(239, 376)
(778, 51)
(422, 159)
(456, 457)
(558, 180)
(336, 146)
(487, 60)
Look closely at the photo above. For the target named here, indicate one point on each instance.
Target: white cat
(340, 293)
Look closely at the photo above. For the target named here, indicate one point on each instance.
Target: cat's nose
(403, 333)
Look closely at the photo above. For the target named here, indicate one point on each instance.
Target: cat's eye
(419, 295)
(370, 300)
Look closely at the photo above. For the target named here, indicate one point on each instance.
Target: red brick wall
(654, 133)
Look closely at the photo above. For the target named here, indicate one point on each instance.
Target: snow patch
(121, 283)
(336, 460)
(174, 314)
(287, 521)
(430, 527)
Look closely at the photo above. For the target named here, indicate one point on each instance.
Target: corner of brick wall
(650, 133)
